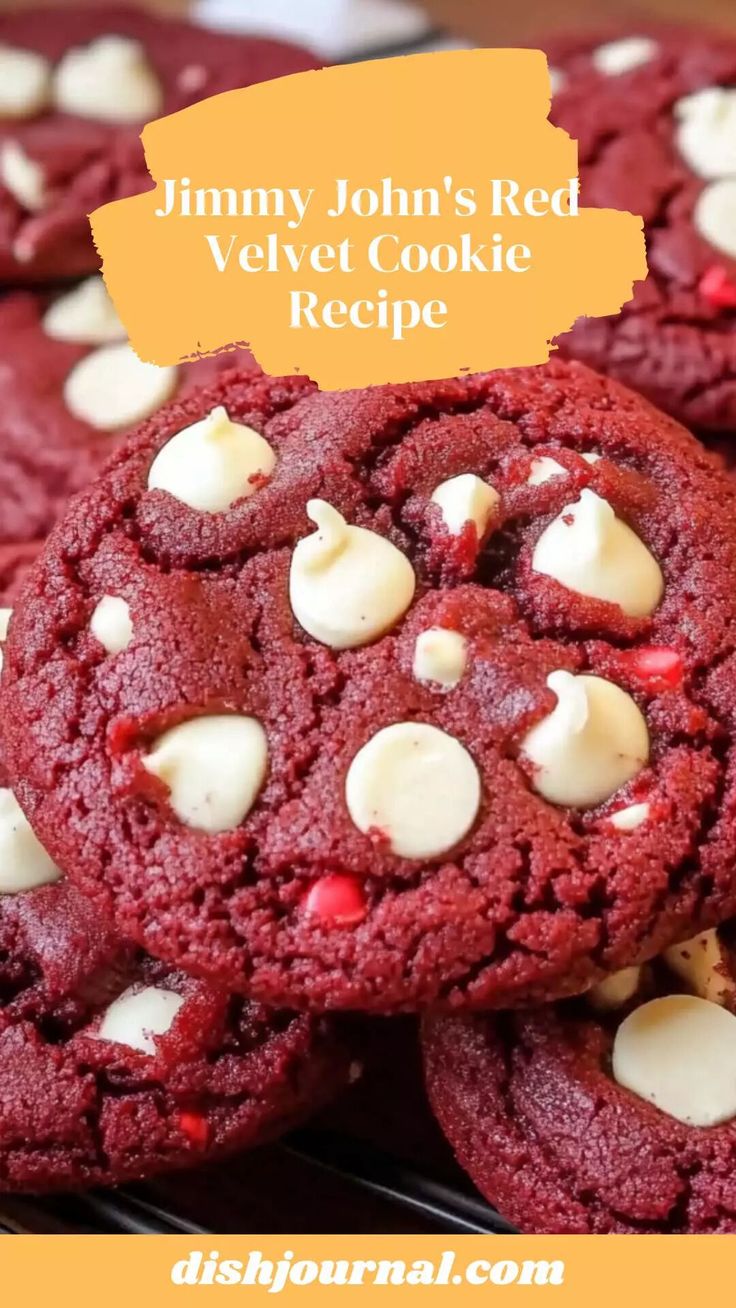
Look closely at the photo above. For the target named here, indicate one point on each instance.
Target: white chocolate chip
(25, 82)
(24, 862)
(628, 819)
(544, 469)
(706, 131)
(591, 744)
(614, 991)
(136, 1016)
(22, 176)
(415, 784)
(111, 388)
(214, 767)
(5, 616)
(590, 551)
(212, 463)
(623, 56)
(110, 79)
(714, 215)
(557, 79)
(466, 499)
(347, 585)
(679, 1053)
(111, 625)
(85, 315)
(440, 657)
(697, 963)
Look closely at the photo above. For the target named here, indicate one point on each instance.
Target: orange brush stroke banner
(321, 291)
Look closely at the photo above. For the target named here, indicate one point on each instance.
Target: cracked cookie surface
(297, 899)
(109, 1101)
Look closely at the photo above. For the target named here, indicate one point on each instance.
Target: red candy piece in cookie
(718, 288)
(657, 667)
(194, 1127)
(337, 899)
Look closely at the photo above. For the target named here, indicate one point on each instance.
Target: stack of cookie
(418, 699)
(414, 698)
(115, 1065)
(616, 1112)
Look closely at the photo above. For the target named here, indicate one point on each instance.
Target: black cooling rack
(373, 1162)
(345, 1186)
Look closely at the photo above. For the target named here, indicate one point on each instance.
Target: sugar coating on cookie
(213, 767)
(588, 549)
(24, 862)
(112, 388)
(110, 79)
(593, 742)
(414, 786)
(212, 463)
(347, 585)
(85, 315)
(466, 498)
(136, 1017)
(111, 623)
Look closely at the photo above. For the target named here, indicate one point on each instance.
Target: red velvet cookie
(116, 1067)
(69, 386)
(76, 88)
(655, 116)
(615, 1113)
(136, 1068)
(468, 743)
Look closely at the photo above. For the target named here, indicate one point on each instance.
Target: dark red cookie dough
(227, 1075)
(88, 162)
(536, 901)
(46, 453)
(675, 341)
(15, 560)
(531, 1108)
